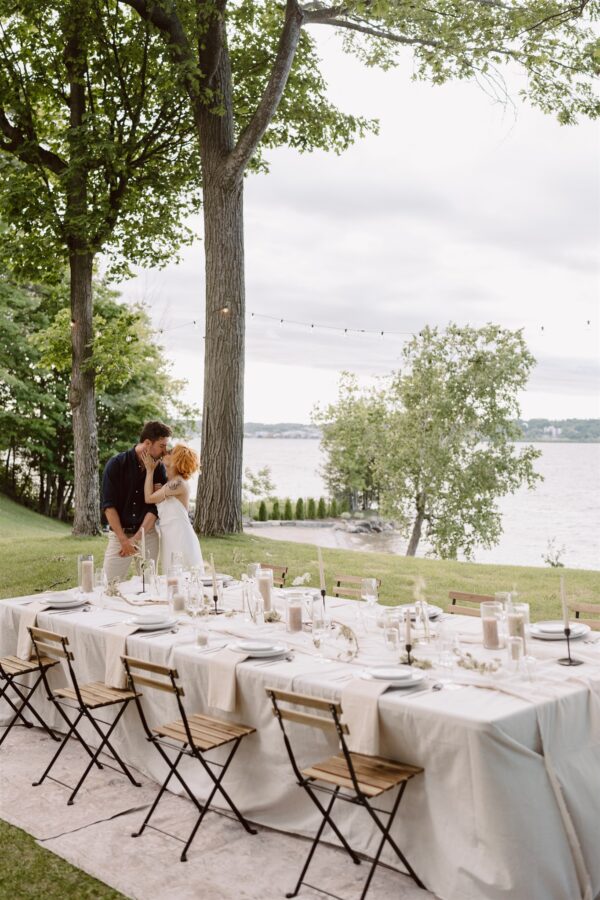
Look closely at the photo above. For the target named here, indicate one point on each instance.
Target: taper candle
(321, 569)
(563, 601)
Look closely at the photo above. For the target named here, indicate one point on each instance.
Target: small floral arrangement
(345, 642)
(468, 661)
(272, 616)
(417, 663)
(112, 589)
(301, 579)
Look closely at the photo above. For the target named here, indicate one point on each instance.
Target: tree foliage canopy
(438, 438)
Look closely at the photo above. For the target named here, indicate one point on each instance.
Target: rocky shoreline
(347, 522)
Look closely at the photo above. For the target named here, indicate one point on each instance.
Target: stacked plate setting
(158, 621)
(66, 600)
(260, 649)
(555, 631)
(396, 676)
(433, 611)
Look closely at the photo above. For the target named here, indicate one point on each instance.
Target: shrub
(299, 508)
(322, 509)
(311, 509)
(287, 510)
(276, 512)
(262, 512)
(333, 509)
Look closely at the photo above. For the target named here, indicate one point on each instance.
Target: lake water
(565, 506)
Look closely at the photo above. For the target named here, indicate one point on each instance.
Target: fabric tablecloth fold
(28, 620)
(115, 646)
(222, 679)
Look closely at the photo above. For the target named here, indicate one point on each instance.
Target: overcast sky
(460, 210)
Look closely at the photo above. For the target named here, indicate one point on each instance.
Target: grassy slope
(36, 553)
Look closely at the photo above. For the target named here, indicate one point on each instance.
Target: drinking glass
(368, 591)
(252, 569)
(515, 649)
(100, 585)
(320, 630)
(391, 639)
(193, 603)
(491, 621)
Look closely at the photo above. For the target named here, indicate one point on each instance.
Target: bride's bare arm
(153, 493)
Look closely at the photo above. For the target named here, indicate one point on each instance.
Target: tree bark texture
(82, 390)
(417, 526)
(219, 501)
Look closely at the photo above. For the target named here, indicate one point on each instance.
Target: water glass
(515, 650)
(368, 590)
(100, 585)
(320, 631)
(252, 569)
(391, 639)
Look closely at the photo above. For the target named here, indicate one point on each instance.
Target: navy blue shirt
(123, 488)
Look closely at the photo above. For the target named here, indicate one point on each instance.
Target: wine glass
(193, 603)
(320, 630)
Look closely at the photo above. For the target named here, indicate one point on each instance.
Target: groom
(123, 500)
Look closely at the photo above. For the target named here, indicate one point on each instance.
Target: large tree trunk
(82, 398)
(417, 526)
(219, 497)
(81, 392)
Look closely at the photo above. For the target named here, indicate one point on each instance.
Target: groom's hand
(128, 547)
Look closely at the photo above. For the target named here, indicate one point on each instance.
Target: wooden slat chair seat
(11, 670)
(190, 736)
(95, 694)
(579, 607)
(352, 777)
(279, 573)
(207, 733)
(76, 703)
(463, 604)
(350, 586)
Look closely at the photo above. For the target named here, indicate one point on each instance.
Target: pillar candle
(87, 576)
(491, 635)
(143, 543)
(264, 580)
(321, 569)
(294, 618)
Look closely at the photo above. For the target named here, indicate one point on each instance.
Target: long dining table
(509, 802)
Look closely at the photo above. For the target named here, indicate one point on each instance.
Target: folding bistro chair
(191, 736)
(353, 777)
(279, 574)
(13, 668)
(83, 700)
(469, 603)
(591, 611)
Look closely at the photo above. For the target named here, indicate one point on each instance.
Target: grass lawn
(37, 553)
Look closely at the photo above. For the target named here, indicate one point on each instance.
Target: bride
(176, 533)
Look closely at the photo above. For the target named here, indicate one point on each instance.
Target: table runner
(28, 620)
(115, 646)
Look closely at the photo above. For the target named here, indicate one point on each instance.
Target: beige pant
(117, 567)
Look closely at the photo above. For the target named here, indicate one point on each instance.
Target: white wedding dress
(177, 535)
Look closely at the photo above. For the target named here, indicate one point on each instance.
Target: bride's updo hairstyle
(185, 460)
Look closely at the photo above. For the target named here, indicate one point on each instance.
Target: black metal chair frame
(358, 798)
(82, 712)
(24, 692)
(184, 748)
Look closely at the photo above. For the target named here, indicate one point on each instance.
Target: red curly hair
(185, 460)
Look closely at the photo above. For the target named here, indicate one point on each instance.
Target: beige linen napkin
(222, 680)
(115, 646)
(28, 620)
(360, 707)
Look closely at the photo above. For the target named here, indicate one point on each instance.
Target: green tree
(134, 384)
(276, 512)
(91, 160)
(288, 514)
(299, 509)
(447, 451)
(333, 509)
(322, 509)
(253, 81)
(262, 512)
(350, 440)
(259, 484)
(311, 509)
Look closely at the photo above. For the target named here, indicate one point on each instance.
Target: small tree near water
(288, 515)
(322, 509)
(299, 509)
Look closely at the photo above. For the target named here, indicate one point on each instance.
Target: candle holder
(408, 648)
(568, 660)
(216, 611)
(323, 596)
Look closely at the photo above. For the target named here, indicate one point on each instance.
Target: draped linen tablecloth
(508, 806)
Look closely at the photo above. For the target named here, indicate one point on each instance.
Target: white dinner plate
(153, 626)
(250, 646)
(151, 618)
(390, 673)
(417, 676)
(73, 603)
(275, 650)
(207, 579)
(555, 631)
(434, 611)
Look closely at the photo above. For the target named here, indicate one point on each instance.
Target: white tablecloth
(508, 807)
